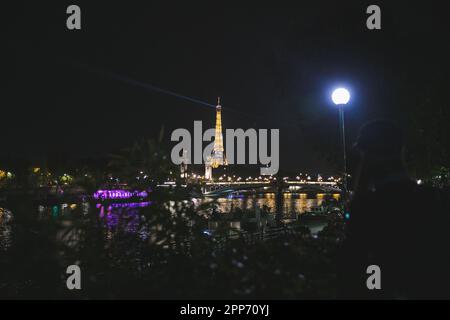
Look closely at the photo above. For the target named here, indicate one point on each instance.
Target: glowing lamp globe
(340, 96)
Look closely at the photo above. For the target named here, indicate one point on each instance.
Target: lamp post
(341, 97)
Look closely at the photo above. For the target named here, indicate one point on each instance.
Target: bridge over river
(225, 188)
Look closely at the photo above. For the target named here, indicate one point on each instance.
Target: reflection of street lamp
(341, 97)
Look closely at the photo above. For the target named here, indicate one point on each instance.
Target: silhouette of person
(394, 223)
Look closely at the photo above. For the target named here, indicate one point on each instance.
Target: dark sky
(274, 67)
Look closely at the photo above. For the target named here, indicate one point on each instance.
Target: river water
(292, 202)
(114, 213)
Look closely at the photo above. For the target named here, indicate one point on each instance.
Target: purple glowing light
(128, 205)
(119, 194)
(125, 217)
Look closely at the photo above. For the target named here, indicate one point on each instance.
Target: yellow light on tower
(218, 158)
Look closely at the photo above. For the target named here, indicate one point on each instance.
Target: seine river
(293, 204)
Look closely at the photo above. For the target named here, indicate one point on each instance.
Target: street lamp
(341, 97)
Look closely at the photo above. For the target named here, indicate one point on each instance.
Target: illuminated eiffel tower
(218, 155)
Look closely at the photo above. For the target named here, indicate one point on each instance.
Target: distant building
(218, 154)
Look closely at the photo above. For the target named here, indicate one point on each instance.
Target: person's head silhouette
(380, 139)
(380, 149)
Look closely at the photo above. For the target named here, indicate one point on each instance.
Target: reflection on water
(122, 216)
(292, 202)
(64, 209)
(126, 216)
(5, 229)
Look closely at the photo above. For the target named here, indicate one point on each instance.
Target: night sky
(273, 67)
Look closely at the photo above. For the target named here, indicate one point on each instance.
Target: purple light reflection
(119, 194)
(127, 205)
(123, 216)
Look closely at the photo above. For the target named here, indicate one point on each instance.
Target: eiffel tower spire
(218, 156)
